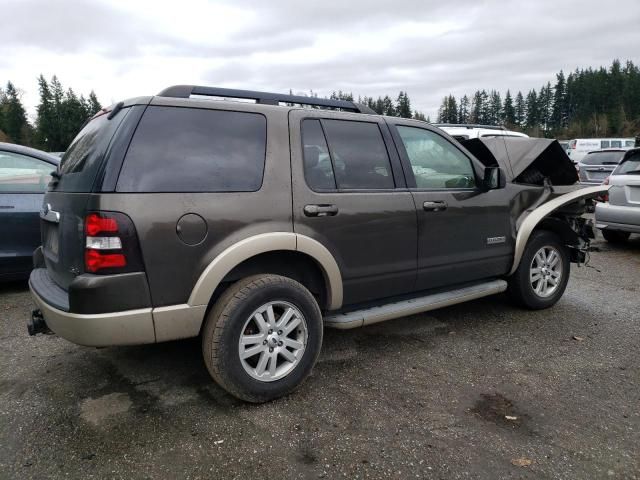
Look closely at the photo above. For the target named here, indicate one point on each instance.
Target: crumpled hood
(525, 160)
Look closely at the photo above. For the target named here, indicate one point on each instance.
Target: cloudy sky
(126, 48)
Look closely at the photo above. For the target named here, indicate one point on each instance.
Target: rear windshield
(630, 166)
(81, 162)
(178, 149)
(603, 158)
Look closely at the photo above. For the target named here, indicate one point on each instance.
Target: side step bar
(367, 316)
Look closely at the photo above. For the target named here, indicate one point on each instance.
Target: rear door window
(179, 149)
(318, 170)
(616, 143)
(359, 156)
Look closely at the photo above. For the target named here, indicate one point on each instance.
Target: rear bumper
(127, 327)
(124, 327)
(131, 327)
(618, 217)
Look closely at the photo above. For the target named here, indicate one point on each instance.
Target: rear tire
(262, 337)
(615, 236)
(543, 273)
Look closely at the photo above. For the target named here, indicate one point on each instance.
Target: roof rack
(469, 125)
(185, 91)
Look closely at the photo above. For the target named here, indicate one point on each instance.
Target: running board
(367, 316)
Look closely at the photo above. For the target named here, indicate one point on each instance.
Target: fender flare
(536, 216)
(249, 247)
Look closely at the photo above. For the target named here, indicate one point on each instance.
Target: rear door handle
(320, 210)
(434, 206)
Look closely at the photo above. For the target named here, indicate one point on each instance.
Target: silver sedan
(620, 216)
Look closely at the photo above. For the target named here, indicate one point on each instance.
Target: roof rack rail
(469, 125)
(185, 91)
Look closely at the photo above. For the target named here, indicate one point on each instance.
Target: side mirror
(493, 178)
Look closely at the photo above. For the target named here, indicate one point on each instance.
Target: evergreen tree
(494, 115)
(520, 111)
(463, 110)
(559, 113)
(46, 122)
(387, 106)
(419, 116)
(448, 112)
(509, 111)
(532, 117)
(404, 105)
(545, 99)
(14, 117)
(477, 107)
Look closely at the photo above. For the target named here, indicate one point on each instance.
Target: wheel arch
(256, 246)
(541, 218)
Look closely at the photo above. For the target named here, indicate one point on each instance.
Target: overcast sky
(428, 48)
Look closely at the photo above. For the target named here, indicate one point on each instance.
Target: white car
(467, 131)
(579, 147)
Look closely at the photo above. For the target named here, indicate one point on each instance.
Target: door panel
(464, 233)
(371, 233)
(23, 180)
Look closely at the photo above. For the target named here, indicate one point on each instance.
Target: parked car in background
(579, 147)
(620, 216)
(598, 165)
(467, 131)
(24, 175)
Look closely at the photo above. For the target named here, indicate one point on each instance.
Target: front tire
(615, 236)
(262, 337)
(543, 273)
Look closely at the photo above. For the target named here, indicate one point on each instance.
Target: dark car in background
(24, 175)
(596, 166)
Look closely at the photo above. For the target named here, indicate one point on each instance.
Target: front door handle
(320, 210)
(434, 206)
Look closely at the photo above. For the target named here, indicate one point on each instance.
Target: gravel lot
(480, 390)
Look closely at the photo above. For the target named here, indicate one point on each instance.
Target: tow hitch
(36, 323)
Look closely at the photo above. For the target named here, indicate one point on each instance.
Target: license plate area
(51, 239)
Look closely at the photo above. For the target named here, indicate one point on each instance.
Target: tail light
(605, 196)
(111, 244)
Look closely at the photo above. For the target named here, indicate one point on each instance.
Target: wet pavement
(479, 390)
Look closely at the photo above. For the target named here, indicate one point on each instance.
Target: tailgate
(62, 220)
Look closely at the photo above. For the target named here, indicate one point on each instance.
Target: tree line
(60, 115)
(586, 103)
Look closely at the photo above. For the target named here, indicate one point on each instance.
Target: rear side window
(630, 166)
(604, 144)
(23, 174)
(82, 160)
(179, 149)
(359, 155)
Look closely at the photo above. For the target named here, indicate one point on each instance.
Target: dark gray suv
(255, 225)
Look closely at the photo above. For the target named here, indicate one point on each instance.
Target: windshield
(602, 158)
(631, 165)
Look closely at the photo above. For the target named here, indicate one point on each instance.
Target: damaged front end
(547, 193)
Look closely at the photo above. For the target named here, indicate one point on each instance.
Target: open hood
(525, 160)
